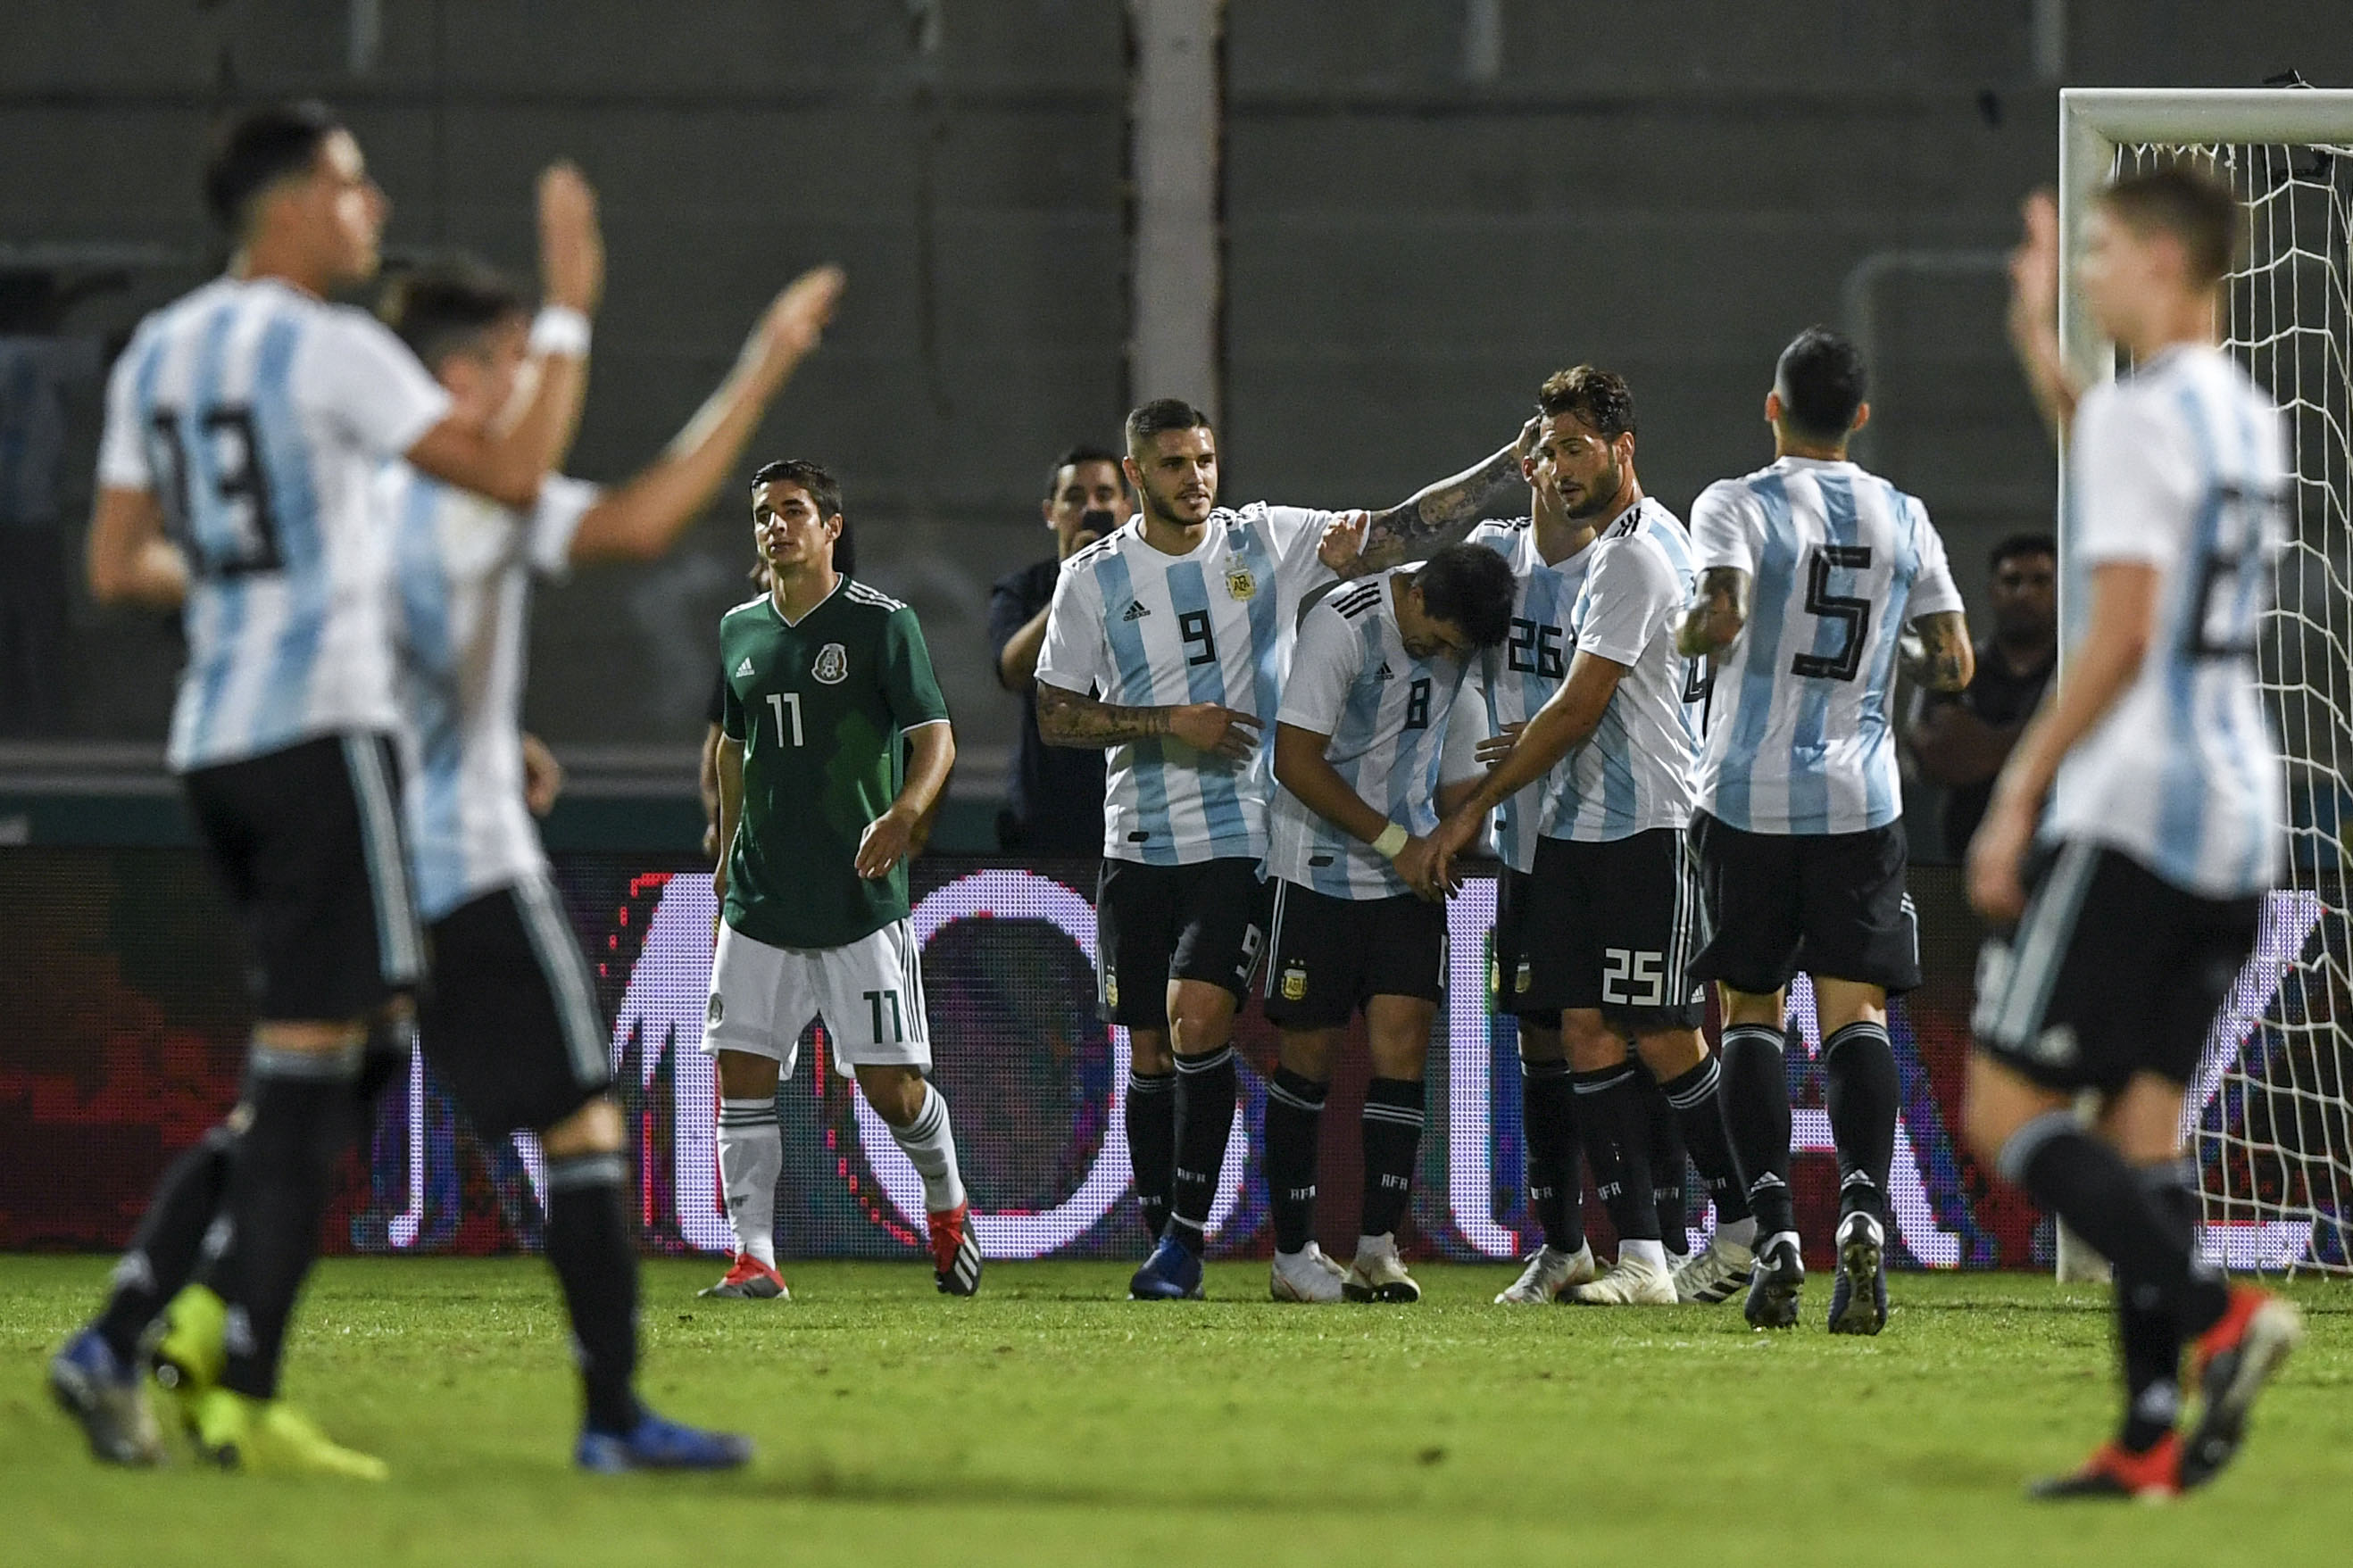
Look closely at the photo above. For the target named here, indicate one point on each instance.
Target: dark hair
(1163, 414)
(446, 307)
(257, 150)
(1077, 456)
(1822, 382)
(2019, 544)
(824, 489)
(1599, 399)
(2192, 206)
(1468, 586)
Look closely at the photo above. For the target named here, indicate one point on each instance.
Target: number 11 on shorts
(874, 999)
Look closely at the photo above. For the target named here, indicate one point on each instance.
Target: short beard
(1597, 503)
(1165, 511)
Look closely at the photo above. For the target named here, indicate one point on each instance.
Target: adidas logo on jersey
(1384, 673)
(1135, 611)
(745, 668)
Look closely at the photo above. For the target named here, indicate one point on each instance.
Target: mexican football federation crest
(832, 664)
(1242, 583)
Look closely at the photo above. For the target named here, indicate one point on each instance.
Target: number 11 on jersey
(780, 701)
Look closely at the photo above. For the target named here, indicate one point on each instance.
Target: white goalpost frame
(2095, 125)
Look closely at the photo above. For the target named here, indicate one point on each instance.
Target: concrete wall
(1671, 189)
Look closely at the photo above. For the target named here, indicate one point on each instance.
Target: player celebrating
(1364, 719)
(825, 676)
(2165, 827)
(1812, 568)
(1168, 643)
(1611, 917)
(244, 421)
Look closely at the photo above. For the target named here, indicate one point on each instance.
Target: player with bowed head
(244, 424)
(1168, 644)
(826, 678)
(1612, 917)
(2132, 909)
(1358, 746)
(1811, 570)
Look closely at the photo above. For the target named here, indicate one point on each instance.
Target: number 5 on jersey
(780, 703)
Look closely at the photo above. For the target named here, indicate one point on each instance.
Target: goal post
(2270, 1118)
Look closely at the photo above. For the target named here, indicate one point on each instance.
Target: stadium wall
(127, 1021)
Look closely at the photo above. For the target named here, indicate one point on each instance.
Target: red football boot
(956, 1251)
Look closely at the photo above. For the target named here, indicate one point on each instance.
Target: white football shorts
(869, 993)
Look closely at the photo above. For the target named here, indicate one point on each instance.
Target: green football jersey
(819, 706)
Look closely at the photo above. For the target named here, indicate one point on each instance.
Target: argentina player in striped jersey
(1812, 569)
(243, 423)
(1613, 917)
(1168, 644)
(509, 1022)
(1357, 922)
(2165, 826)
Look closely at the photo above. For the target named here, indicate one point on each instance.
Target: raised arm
(508, 462)
(2033, 319)
(642, 519)
(1067, 719)
(1442, 512)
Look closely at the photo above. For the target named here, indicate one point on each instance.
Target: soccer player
(1812, 569)
(1612, 917)
(1166, 644)
(824, 677)
(243, 423)
(510, 1021)
(1355, 923)
(2165, 824)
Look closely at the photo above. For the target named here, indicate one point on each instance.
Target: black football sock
(2073, 1174)
(1617, 1128)
(1294, 1115)
(2148, 1339)
(589, 1246)
(1756, 1096)
(1668, 1161)
(1152, 1144)
(162, 1252)
(1556, 1179)
(1205, 1120)
(1699, 1112)
(1393, 1108)
(277, 1193)
(1861, 1089)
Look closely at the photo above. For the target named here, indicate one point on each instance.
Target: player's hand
(1343, 541)
(1996, 861)
(1530, 434)
(2034, 268)
(570, 246)
(1424, 871)
(710, 841)
(542, 776)
(886, 843)
(1497, 746)
(1222, 732)
(796, 320)
(1453, 836)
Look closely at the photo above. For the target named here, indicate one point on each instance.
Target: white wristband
(560, 330)
(1392, 840)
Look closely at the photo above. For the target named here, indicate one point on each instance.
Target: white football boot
(1631, 1282)
(1550, 1272)
(1379, 1273)
(1306, 1275)
(1716, 1273)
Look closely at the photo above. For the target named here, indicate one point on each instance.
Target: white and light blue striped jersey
(1520, 677)
(1839, 563)
(1634, 773)
(257, 415)
(1140, 629)
(1386, 712)
(462, 568)
(2181, 466)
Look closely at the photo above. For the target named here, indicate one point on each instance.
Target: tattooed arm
(1068, 719)
(1715, 616)
(1441, 513)
(1945, 662)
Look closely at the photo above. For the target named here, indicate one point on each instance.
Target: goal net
(2270, 1118)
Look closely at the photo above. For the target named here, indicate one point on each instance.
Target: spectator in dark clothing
(1962, 740)
(1054, 794)
(41, 371)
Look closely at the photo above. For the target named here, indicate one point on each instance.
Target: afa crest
(1294, 983)
(1242, 583)
(832, 664)
(1109, 987)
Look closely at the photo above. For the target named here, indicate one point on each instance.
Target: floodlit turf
(1047, 1422)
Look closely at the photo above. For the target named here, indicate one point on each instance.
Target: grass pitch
(1047, 1422)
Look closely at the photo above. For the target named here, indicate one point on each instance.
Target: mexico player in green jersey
(829, 687)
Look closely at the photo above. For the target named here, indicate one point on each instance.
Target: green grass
(1049, 1423)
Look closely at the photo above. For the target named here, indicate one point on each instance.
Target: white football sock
(930, 1143)
(1651, 1254)
(751, 1158)
(1738, 1232)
